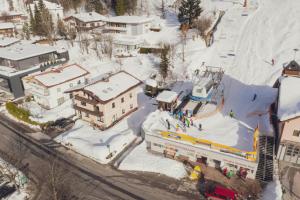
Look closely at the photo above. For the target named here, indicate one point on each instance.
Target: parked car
(58, 126)
(217, 192)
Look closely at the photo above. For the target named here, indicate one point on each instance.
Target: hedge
(20, 113)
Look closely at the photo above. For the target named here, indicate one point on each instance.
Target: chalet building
(21, 60)
(56, 11)
(7, 29)
(292, 69)
(106, 101)
(124, 45)
(288, 113)
(86, 21)
(129, 25)
(48, 87)
(13, 17)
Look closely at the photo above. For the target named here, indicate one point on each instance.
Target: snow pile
(40, 114)
(142, 160)
(272, 191)
(97, 144)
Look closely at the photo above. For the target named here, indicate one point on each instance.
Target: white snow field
(142, 160)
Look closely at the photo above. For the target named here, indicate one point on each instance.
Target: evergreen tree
(164, 62)
(61, 29)
(31, 21)
(41, 6)
(120, 7)
(26, 31)
(163, 11)
(189, 11)
(37, 29)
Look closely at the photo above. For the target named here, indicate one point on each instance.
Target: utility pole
(295, 51)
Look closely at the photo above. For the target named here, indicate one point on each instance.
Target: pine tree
(163, 11)
(164, 62)
(37, 29)
(31, 21)
(189, 11)
(120, 7)
(41, 6)
(26, 31)
(61, 29)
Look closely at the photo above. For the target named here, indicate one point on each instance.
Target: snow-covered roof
(89, 17)
(127, 40)
(167, 96)
(113, 86)
(56, 76)
(289, 98)
(12, 13)
(6, 41)
(203, 81)
(129, 19)
(48, 5)
(23, 51)
(151, 82)
(6, 25)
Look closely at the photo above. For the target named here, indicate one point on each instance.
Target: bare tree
(14, 161)
(202, 25)
(183, 34)
(107, 45)
(59, 182)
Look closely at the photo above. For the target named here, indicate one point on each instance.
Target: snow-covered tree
(189, 11)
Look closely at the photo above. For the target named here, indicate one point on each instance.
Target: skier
(177, 127)
(200, 127)
(231, 114)
(168, 123)
(254, 97)
(187, 121)
(273, 61)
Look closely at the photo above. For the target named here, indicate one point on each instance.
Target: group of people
(185, 118)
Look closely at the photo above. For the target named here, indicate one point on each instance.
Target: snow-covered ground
(98, 144)
(9, 169)
(272, 191)
(43, 115)
(142, 160)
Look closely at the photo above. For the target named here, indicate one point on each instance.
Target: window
(122, 100)
(113, 105)
(199, 90)
(131, 106)
(100, 119)
(78, 82)
(130, 95)
(71, 95)
(123, 111)
(83, 103)
(87, 114)
(296, 133)
(289, 150)
(58, 89)
(97, 108)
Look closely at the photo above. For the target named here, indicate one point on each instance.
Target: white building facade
(129, 25)
(47, 88)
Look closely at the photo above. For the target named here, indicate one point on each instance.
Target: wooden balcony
(91, 112)
(89, 101)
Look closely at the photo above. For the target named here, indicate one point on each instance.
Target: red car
(219, 192)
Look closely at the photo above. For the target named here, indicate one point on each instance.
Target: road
(93, 180)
